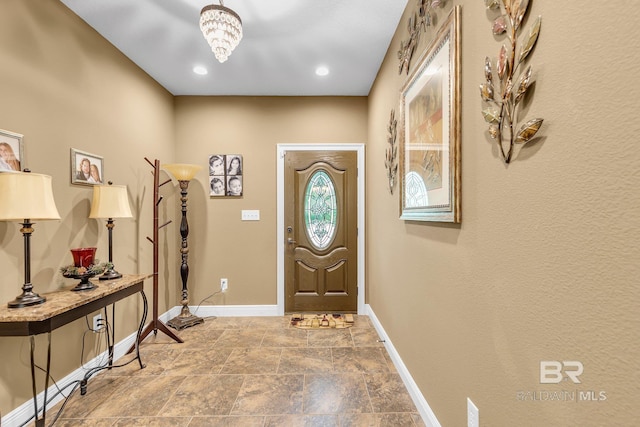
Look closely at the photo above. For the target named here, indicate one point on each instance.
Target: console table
(63, 307)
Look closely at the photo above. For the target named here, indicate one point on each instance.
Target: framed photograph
(216, 164)
(225, 175)
(234, 164)
(430, 131)
(86, 168)
(11, 151)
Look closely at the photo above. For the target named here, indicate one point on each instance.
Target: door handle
(291, 241)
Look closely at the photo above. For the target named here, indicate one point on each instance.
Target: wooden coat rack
(156, 324)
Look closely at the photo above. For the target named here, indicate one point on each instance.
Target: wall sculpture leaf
(500, 25)
(417, 23)
(518, 12)
(505, 93)
(523, 84)
(531, 41)
(486, 91)
(491, 115)
(391, 154)
(502, 63)
(528, 130)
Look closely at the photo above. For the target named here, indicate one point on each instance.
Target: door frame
(281, 149)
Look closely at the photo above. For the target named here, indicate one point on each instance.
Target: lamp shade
(110, 201)
(25, 195)
(181, 171)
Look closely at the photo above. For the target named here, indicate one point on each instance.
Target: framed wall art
(11, 151)
(86, 168)
(225, 175)
(430, 131)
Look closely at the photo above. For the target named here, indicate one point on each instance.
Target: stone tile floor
(250, 371)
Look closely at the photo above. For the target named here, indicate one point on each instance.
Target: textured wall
(63, 86)
(544, 265)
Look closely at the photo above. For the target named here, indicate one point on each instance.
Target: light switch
(250, 215)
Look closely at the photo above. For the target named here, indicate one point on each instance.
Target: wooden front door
(321, 234)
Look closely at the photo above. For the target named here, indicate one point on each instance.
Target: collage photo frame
(225, 175)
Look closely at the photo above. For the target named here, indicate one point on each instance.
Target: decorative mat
(322, 321)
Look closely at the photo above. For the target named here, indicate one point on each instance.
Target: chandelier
(222, 28)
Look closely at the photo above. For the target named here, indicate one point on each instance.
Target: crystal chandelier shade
(222, 28)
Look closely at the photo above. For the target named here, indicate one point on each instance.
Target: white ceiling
(284, 41)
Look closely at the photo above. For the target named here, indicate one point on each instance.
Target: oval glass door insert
(320, 209)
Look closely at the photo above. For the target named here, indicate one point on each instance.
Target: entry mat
(322, 321)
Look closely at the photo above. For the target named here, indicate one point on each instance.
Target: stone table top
(65, 299)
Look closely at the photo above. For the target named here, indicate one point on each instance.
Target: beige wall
(544, 265)
(64, 86)
(221, 245)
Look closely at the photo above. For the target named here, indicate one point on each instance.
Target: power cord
(103, 327)
(106, 362)
(206, 299)
(98, 362)
(75, 384)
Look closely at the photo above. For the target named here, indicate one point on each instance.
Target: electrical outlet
(473, 414)
(224, 284)
(97, 322)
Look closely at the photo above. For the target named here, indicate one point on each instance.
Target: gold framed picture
(430, 131)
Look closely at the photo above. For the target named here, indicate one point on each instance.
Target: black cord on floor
(195, 310)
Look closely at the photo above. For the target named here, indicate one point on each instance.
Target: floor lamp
(184, 173)
(25, 197)
(110, 201)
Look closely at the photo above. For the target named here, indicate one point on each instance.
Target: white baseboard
(233, 310)
(21, 414)
(423, 407)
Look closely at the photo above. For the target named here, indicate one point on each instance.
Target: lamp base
(184, 321)
(27, 299)
(110, 274)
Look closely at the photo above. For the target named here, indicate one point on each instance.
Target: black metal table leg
(40, 422)
(145, 311)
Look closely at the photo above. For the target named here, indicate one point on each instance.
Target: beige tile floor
(250, 371)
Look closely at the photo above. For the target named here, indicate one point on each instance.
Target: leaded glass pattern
(320, 209)
(415, 191)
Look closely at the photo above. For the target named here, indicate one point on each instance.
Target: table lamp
(25, 197)
(184, 173)
(110, 201)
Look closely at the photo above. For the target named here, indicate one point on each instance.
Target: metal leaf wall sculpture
(502, 102)
(417, 23)
(407, 48)
(391, 155)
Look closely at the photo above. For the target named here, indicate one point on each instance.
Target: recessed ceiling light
(200, 70)
(322, 71)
